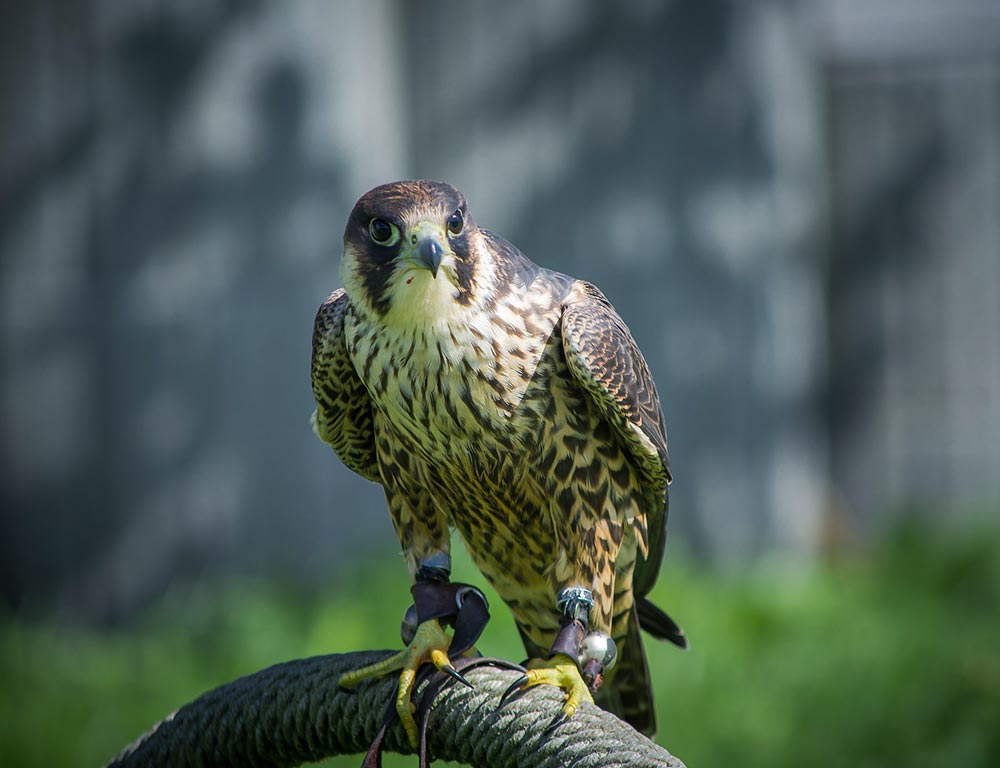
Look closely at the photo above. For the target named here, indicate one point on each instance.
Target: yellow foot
(560, 671)
(430, 643)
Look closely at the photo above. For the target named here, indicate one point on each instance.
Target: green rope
(294, 713)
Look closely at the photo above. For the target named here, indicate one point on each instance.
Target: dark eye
(455, 223)
(382, 232)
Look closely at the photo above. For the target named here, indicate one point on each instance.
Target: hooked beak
(429, 252)
(426, 247)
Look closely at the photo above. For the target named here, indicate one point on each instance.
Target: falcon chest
(453, 386)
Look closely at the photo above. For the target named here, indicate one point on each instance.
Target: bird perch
(294, 712)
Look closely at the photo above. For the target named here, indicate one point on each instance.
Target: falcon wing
(606, 362)
(343, 416)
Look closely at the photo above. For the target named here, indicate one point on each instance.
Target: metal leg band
(575, 603)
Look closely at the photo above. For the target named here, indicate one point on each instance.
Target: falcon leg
(436, 602)
(574, 650)
(430, 644)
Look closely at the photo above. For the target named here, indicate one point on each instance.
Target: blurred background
(795, 205)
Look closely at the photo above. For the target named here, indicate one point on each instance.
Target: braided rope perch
(294, 712)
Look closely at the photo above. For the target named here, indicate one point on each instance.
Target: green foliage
(890, 661)
(893, 659)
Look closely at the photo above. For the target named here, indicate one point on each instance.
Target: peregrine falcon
(510, 403)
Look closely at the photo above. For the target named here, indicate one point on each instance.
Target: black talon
(511, 690)
(456, 675)
(558, 720)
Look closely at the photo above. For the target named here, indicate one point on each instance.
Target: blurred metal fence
(913, 99)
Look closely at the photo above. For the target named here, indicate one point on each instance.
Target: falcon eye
(382, 232)
(455, 223)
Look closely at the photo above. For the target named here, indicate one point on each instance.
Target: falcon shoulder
(606, 362)
(343, 415)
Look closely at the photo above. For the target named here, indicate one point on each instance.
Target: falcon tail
(659, 625)
(628, 693)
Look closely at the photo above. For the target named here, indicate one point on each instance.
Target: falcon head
(412, 252)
